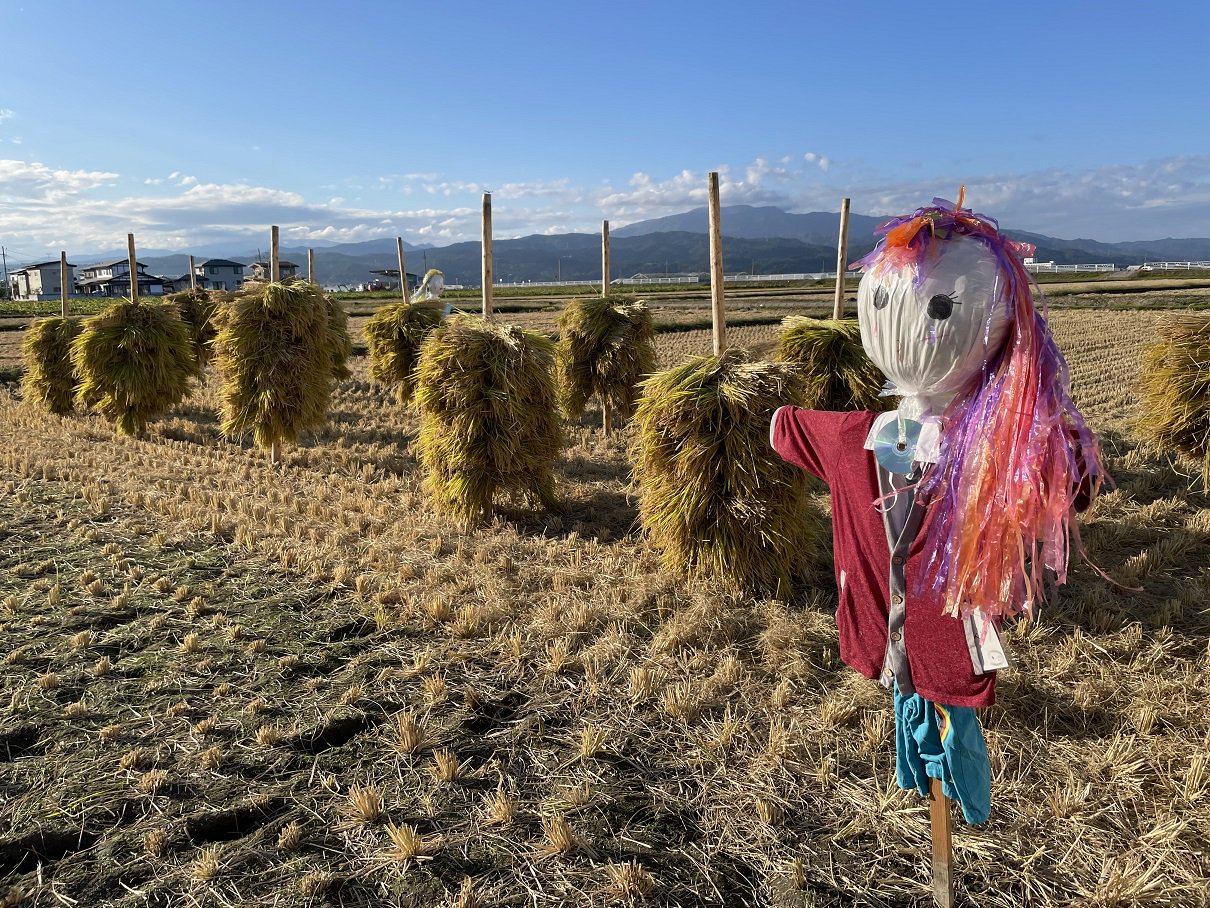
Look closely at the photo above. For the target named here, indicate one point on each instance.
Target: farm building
(219, 274)
(259, 271)
(38, 282)
(113, 279)
(388, 279)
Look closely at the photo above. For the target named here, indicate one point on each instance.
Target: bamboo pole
(487, 256)
(403, 274)
(940, 821)
(275, 276)
(311, 266)
(192, 275)
(605, 258)
(134, 268)
(842, 253)
(63, 284)
(718, 310)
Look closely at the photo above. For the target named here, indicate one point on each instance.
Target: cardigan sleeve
(807, 438)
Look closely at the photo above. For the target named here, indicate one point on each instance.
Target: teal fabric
(960, 762)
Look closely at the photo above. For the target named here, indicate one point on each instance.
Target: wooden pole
(842, 253)
(311, 266)
(192, 275)
(275, 276)
(943, 849)
(134, 268)
(605, 258)
(403, 274)
(718, 310)
(63, 284)
(487, 256)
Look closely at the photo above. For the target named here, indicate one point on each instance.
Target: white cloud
(6, 114)
(188, 181)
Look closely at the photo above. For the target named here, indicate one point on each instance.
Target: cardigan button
(896, 637)
(897, 560)
(896, 599)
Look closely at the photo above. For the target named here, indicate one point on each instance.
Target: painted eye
(881, 297)
(941, 306)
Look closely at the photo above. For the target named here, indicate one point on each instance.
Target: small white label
(842, 579)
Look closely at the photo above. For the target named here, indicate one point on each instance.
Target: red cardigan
(832, 446)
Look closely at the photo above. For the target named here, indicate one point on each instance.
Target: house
(39, 282)
(390, 280)
(219, 274)
(259, 271)
(113, 279)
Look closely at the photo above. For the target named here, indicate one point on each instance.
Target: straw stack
(837, 372)
(1174, 390)
(197, 309)
(488, 423)
(606, 347)
(278, 349)
(394, 336)
(134, 361)
(50, 381)
(713, 495)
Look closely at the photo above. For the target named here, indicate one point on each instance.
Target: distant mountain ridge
(759, 240)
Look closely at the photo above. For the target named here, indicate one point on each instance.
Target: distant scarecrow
(948, 512)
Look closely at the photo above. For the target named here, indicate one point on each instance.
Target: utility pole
(4, 259)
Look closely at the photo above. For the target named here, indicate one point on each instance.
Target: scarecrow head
(934, 304)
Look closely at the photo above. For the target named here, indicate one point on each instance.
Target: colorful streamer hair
(1016, 454)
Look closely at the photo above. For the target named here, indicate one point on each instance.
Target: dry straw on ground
(133, 361)
(488, 423)
(714, 497)
(838, 375)
(1175, 390)
(394, 336)
(277, 349)
(606, 347)
(50, 381)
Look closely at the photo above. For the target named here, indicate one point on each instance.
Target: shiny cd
(894, 453)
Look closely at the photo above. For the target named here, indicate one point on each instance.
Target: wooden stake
(487, 256)
(607, 416)
(134, 268)
(605, 258)
(943, 849)
(275, 452)
(403, 275)
(274, 255)
(718, 310)
(192, 275)
(311, 266)
(63, 284)
(842, 253)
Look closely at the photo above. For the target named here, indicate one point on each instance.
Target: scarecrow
(951, 512)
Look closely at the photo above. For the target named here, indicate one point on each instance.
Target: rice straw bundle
(488, 423)
(133, 361)
(49, 380)
(838, 373)
(394, 336)
(276, 351)
(1174, 390)
(606, 347)
(713, 495)
(197, 309)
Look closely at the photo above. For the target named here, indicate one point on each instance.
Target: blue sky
(191, 122)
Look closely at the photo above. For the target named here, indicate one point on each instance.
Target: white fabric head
(932, 340)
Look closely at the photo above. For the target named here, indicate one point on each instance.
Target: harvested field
(227, 684)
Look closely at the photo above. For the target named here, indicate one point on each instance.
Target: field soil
(228, 684)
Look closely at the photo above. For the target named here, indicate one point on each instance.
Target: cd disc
(893, 453)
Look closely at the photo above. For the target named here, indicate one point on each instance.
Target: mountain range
(758, 240)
